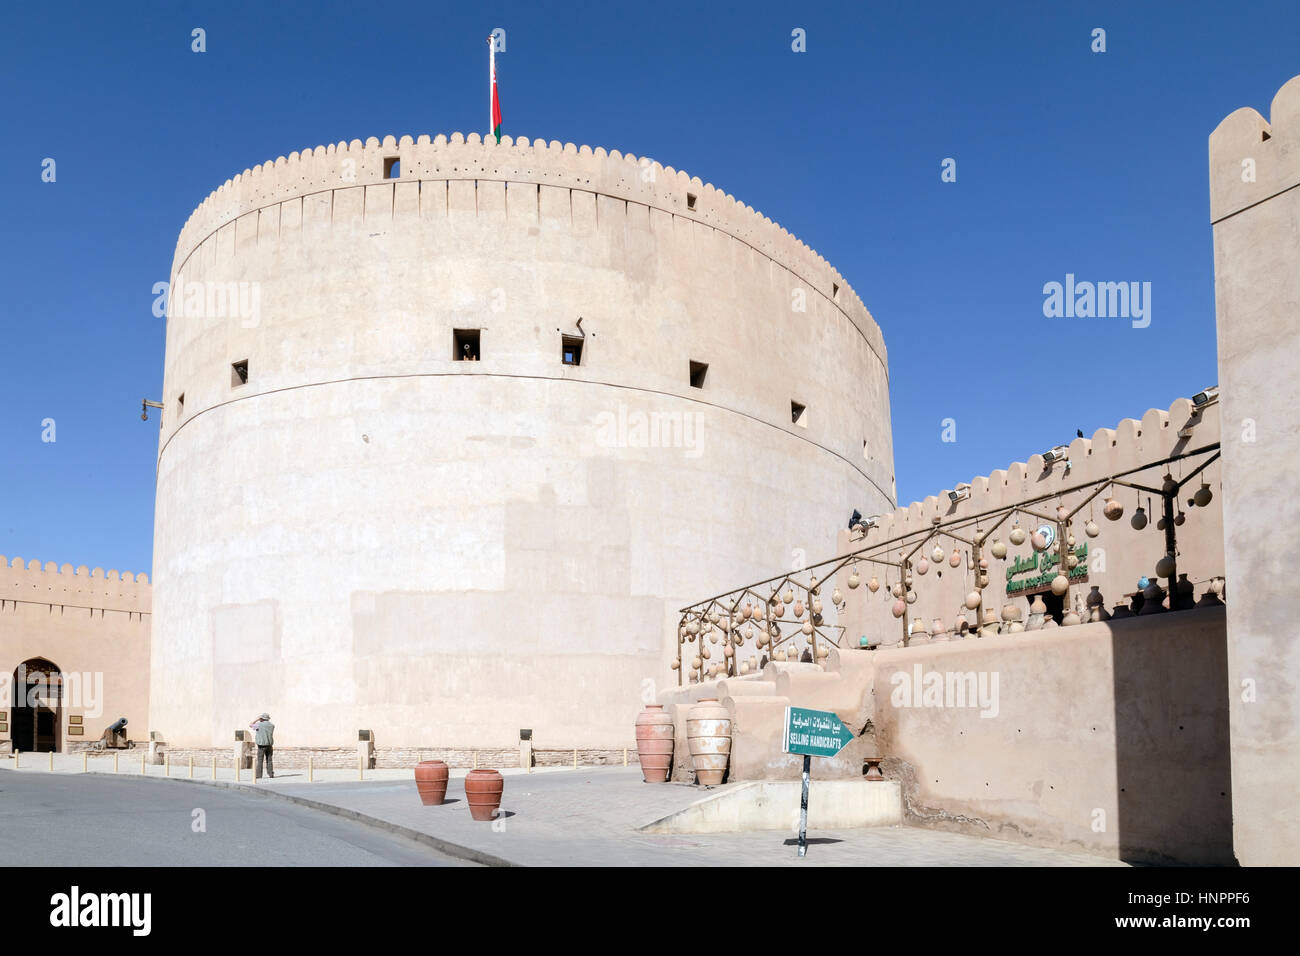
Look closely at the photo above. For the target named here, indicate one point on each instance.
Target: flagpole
(492, 80)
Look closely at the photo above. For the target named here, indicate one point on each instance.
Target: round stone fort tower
(452, 429)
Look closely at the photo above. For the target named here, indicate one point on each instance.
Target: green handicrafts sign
(1044, 565)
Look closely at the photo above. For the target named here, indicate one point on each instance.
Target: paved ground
(585, 817)
(91, 820)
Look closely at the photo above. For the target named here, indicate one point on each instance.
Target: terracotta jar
(431, 781)
(483, 793)
(708, 731)
(654, 743)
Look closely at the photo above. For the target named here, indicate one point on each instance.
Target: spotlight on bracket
(1206, 396)
(1059, 453)
(960, 492)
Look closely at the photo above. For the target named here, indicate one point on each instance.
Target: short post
(115, 763)
(624, 756)
(309, 768)
(142, 770)
(214, 766)
(84, 756)
(167, 764)
(51, 761)
(15, 758)
(476, 760)
(575, 758)
(191, 766)
(361, 767)
(803, 807)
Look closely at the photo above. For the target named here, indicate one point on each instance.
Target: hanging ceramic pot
(788, 596)
(873, 585)
(1091, 529)
(937, 554)
(837, 597)
(998, 549)
(1203, 495)
(973, 600)
(1062, 513)
(1038, 542)
(817, 607)
(1073, 562)
(1165, 566)
(899, 608)
(1112, 509)
(695, 662)
(823, 652)
(897, 589)
(1139, 519)
(922, 566)
(677, 662)
(1017, 535)
(807, 627)
(798, 610)
(954, 559)
(982, 580)
(814, 585)
(779, 609)
(1169, 486)
(693, 627)
(747, 611)
(911, 597)
(727, 651)
(654, 743)
(1179, 519)
(1060, 584)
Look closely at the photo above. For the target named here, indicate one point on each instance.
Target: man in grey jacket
(265, 738)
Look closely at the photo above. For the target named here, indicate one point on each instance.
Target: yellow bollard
(476, 760)
(51, 761)
(309, 768)
(624, 756)
(575, 758)
(167, 765)
(191, 766)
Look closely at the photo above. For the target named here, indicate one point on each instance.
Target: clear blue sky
(1067, 161)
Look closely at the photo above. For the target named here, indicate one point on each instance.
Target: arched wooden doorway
(37, 706)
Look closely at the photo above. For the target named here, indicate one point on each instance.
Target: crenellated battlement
(1253, 158)
(51, 583)
(1109, 451)
(358, 165)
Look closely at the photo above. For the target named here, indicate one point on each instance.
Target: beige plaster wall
(1110, 738)
(1257, 296)
(90, 623)
(369, 534)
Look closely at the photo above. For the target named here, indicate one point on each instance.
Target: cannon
(114, 737)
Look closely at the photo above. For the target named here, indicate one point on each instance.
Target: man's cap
(265, 716)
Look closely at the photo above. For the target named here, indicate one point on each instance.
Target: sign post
(813, 733)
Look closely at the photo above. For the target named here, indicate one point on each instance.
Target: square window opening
(798, 414)
(465, 345)
(571, 349)
(690, 200)
(239, 373)
(698, 371)
(393, 167)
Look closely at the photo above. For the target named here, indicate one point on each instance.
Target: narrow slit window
(465, 345)
(180, 405)
(239, 373)
(698, 371)
(571, 349)
(866, 451)
(835, 292)
(798, 414)
(393, 167)
(690, 200)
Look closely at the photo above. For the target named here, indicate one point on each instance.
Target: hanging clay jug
(837, 597)
(779, 609)
(873, 585)
(1139, 519)
(1017, 535)
(1091, 529)
(807, 627)
(788, 596)
(937, 554)
(954, 560)
(854, 581)
(1060, 584)
(1203, 495)
(1062, 513)
(1179, 519)
(973, 600)
(922, 566)
(911, 597)
(798, 610)
(1038, 542)
(1165, 566)
(677, 662)
(654, 743)
(708, 732)
(817, 607)
(897, 589)
(899, 608)
(998, 549)
(1112, 509)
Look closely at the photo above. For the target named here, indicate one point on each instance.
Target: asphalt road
(88, 820)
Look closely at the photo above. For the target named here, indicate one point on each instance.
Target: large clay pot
(654, 743)
(483, 793)
(431, 781)
(708, 731)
